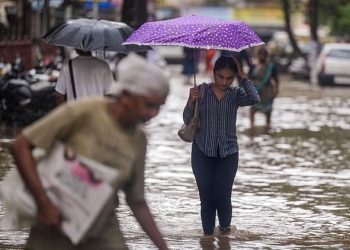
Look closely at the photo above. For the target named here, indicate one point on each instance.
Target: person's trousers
(214, 177)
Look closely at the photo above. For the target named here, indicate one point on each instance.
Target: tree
(293, 42)
(313, 19)
(342, 24)
(334, 14)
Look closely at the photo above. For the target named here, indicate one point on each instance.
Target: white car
(332, 65)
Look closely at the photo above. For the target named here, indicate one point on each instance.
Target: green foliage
(336, 14)
(341, 25)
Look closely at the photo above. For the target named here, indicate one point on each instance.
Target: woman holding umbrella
(215, 149)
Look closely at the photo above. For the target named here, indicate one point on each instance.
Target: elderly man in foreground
(107, 131)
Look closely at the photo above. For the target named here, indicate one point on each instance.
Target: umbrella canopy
(92, 34)
(196, 32)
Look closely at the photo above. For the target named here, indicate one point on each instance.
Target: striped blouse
(217, 132)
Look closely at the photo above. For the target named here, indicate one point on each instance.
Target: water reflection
(209, 243)
(291, 191)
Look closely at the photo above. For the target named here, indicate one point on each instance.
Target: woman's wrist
(189, 106)
(244, 79)
(190, 102)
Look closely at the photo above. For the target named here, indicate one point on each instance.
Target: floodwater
(291, 191)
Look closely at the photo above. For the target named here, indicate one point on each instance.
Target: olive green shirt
(88, 128)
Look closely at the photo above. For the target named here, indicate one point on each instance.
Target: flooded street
(291, 190)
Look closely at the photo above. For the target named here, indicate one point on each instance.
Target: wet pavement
(291, 190)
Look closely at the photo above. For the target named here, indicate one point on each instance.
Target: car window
(339, 53)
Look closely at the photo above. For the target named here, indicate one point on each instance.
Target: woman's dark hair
(225, 62)
(263, 51)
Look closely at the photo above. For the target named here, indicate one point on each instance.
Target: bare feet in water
(227, 230)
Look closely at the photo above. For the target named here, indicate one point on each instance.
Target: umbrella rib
(193, 46)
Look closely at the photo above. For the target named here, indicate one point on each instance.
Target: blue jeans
(214, 177)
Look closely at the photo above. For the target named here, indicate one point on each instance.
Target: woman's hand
(240, 72)
(194, 94)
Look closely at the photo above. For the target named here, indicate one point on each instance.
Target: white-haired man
(105, 130)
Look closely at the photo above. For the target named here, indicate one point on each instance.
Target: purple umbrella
(196, 32)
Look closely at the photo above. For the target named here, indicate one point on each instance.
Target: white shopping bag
(78, 186)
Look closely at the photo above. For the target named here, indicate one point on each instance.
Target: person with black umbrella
(87, 75)
(83, 76)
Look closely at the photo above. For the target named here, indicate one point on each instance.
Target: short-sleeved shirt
(92, 77)
(87, 127)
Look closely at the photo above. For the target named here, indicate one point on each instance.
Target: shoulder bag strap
(72, 78)
(196, 108)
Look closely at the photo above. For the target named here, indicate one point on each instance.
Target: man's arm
(59, 98)
(144, 217)
(21, 150)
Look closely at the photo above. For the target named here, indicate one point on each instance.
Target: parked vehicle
(22, 100)
(332, 65)
(299, 67)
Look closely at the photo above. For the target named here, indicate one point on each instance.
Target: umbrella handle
(194, 63)
(196, 109)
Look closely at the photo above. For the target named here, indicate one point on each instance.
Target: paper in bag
(78, 186)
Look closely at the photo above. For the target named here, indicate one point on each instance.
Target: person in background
(105, 130)
(210, 59)
(315, 49)
(265, 77)
(214, 154)
(189, 64)
(92, 77)
(242, 56)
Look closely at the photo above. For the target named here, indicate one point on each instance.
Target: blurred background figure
(211, 57)
(312, 56)
(111, 57)
(189, 64)
(265, 78)
(243, 57)
(154, 57)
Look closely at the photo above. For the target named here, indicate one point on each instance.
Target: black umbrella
(93, 35)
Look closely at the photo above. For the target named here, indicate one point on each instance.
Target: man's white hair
(139, 77)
